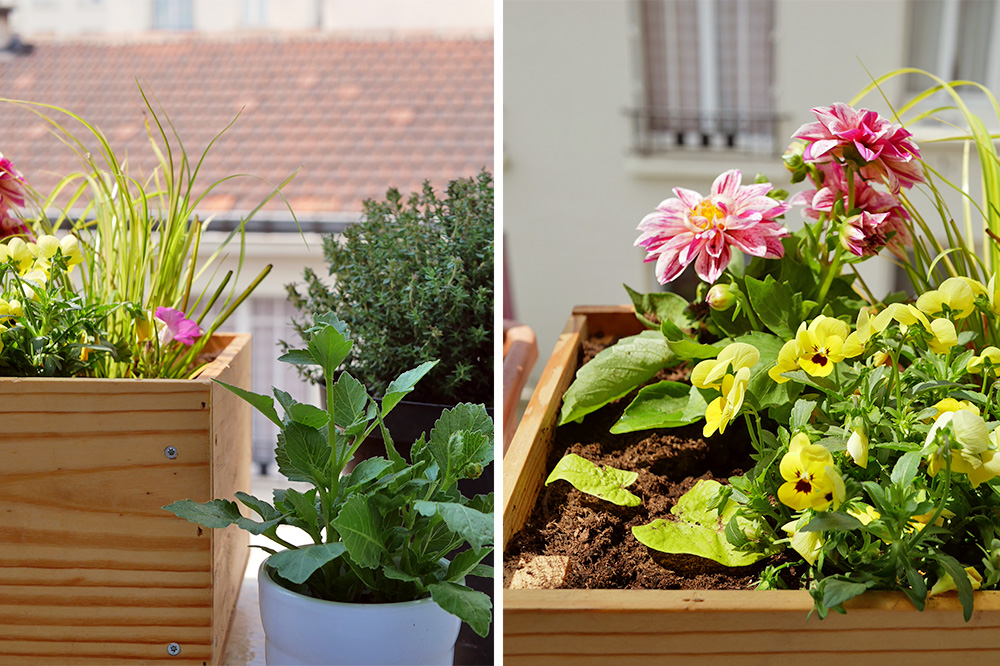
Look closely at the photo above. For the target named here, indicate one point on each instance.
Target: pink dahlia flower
(11, 186)
(693, 228)
(864, 235)
(878, 147)
(866, 197)
(176, 327)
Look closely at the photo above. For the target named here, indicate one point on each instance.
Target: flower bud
(721, 297)
(857, 446)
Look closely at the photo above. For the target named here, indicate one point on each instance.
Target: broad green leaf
(218, 513)
(474, 608)
(801, 413)
(838, 590)
(262, 403)
(961, 579)
(360, 527)
(401, 386)
(297, 565)
(307, 451)
(263, 509)
(614, 372)
(308, 415)
(652, 309)
(684, 347)
(460, 441)
(304, 504)
(350, 402)
(367, 470)
(473, 526)
(298, 357)
(482, 503)
(605, 483)
(762, 391)
(661, 405)
(467, 563)
(398, 574)
(778, 308)
(832, 521)
(698, 530)
(906, 468)
(329, 347)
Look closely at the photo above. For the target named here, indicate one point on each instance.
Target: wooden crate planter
(707, 628)
(92, 570)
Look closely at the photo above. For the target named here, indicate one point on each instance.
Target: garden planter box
(92, 569)
(709, 628)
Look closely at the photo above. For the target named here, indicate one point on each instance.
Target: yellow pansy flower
(806, 544)
(811, 480)
(70, 247)
(956, 293)
(944, 337)
(864, 513)
(20, 252)
(857, 446)
(855, 343)
(969, 433)
(821, 345)
(736, 356)
(788, 360)
(976, 363)
(726, 407)
(953, 405)
(48, 246)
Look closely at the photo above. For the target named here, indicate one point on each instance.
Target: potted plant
(414, 282)
(374, 586)
(108, 350)
(867, 424)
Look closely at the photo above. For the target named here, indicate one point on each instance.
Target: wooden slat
(84, 541)
(706, 628)
(524, 462)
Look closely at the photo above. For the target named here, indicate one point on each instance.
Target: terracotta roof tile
(357, 116)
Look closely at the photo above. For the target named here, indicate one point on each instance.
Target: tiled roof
(357, 116)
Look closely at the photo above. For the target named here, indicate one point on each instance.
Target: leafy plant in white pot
(376, 585)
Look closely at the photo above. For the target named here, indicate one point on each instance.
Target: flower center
(803, 485)
(819, 359)
(712, 214)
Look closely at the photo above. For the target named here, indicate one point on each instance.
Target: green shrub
(414, 282)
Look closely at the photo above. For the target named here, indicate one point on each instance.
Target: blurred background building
(361, 96)
(609, 104)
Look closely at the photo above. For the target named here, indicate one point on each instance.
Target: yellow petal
(712, 416)
(704, 374)
(740, 355)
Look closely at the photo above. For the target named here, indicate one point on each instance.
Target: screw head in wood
(173, 649)
(170, 452)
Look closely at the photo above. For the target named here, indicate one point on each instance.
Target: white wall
(572, 193)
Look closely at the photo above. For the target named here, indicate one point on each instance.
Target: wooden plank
(101, 616)
(706, 628)
(520, 351)
(524, 462)
(616, 320)
(231, 460)
(108, 651)
(91, 634)
(117, 577)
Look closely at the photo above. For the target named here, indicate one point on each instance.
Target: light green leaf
(651, 309)
(262, 403)
(614, 372)
(605, 483)
(474, 526)
(461, 441)
(684, 347)
(474, 608)
(801, 413)
(661, 405)
(360, 527)
(401, 386)
(329, 348)
(906, 468)
(698, 530)
(297, 565)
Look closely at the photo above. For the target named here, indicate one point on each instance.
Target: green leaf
(298, 357)
(461, 440)
(401, 386)
(698, 530)
(263, 509)
(474, 608)
(605, 483)
(838, 590)
(801, 413)
(308, 415)
(762, 391)
(297, 565)
(661, 405)
(832, 521)
(961, 578)
(778, 308)
(262, 403)
(218, 513)
(329, 348)
(473, 526)
(367, 470)
(360, 527)
(684, 347)
(350, 402)
(307, 451)
(652, 309)
(614, 372)
(304, 505)
(906, 468)
(466, 563)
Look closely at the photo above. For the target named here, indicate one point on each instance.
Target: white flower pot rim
(302, 598)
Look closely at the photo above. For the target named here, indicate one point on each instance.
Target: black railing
(656, 130)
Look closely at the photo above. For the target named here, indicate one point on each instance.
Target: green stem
(940, 507)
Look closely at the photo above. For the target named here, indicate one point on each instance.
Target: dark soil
(597, 535)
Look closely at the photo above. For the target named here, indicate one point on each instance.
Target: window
(706, 75)
(954, 39)
(254, 13)
(173, 15)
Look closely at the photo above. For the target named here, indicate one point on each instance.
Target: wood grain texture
(92, 569)
(707, 628)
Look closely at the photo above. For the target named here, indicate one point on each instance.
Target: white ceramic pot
(301, 630)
